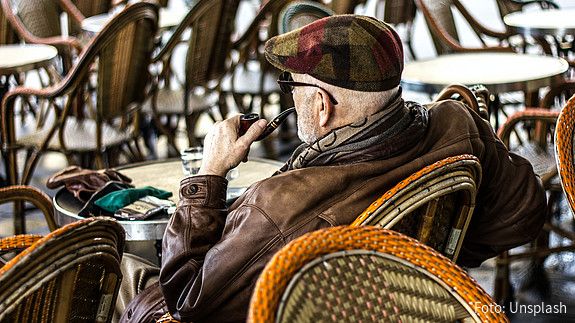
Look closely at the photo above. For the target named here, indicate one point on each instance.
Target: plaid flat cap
(350, 51)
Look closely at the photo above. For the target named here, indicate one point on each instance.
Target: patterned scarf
(387, 133)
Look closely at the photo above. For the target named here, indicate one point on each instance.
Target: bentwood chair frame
(38, 22)
(368, 273)
(212, 22)
(32, 195)
(532, 132)
(123, 50)
(441, 24)
(70, 275)
(433, 205)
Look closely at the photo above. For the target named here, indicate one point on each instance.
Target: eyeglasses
(287, 84)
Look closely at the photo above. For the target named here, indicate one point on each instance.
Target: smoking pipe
(247, 120)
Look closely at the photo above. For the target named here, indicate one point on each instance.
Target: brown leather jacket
(212, 256)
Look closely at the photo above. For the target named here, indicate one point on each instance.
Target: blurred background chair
(365, 273)
(530, 133)
(108, 125)
(207, 58)
(38, 22)
(441, 24)
(433, 205)
(70, 275)
(31, 195)
(341, 7)
(397, 13)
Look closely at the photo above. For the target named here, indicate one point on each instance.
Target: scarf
(392, 130)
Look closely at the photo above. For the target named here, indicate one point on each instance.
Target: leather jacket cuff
(204, 190)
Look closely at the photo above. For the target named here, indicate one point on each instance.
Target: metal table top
(168, 18)
(556, 22)
(165, 175)
(25, 57)
(499, 72)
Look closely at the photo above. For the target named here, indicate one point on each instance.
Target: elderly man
(360, 138)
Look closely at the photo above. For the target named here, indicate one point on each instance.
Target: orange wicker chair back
(433, 205)
(70, 275)
(123, 52)
(441, 24)
(32, 195)
(365, 274)
(564, 136)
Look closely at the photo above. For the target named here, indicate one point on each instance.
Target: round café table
(499, 72)
(164, 175)
(168, 18)
(144, 237)
(16, 59)
(556, 22)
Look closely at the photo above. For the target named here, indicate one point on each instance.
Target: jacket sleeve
(208, 254)
(511, 203)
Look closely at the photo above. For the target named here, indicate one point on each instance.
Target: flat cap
(350, 51)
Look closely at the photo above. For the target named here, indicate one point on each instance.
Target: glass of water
(192, 160)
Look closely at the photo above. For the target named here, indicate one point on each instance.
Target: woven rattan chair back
(212, 22)
(124, 50)
(365, 274)
(433, 205)
(7, 33)
(41, 17)
(399, 11)
(564, 150)
(298, 14)
(70, 275)
(440, 21)
(341, 7)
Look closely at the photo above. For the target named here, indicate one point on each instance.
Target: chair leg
(502, 289)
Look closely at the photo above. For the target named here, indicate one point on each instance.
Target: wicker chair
(7, 33)
(441, 24)
(38, 22)
(365, 274)
(70, 275)
(529, 133)
(32, 195)
(205, 65)
(123, 50)
(433, 205)
(341, 7)
(398, 12)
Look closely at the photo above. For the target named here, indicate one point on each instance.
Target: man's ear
(326, 109)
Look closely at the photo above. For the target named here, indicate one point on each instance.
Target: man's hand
(223, 149)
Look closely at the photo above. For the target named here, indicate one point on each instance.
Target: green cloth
(116, 200)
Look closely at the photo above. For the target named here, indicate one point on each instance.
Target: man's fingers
(253, 132)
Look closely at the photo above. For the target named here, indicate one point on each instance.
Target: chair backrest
(365, 274)
(399, 11)
(433, 205)
(7, 33)
(40, 17)
(564, 150)
(70, 275)
(123, 51)
(440, 21)
(32, 195)
(300, 13)
(341, 7)
(212, 22)
(88, 8)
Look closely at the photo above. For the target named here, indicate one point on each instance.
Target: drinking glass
(192, 160)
